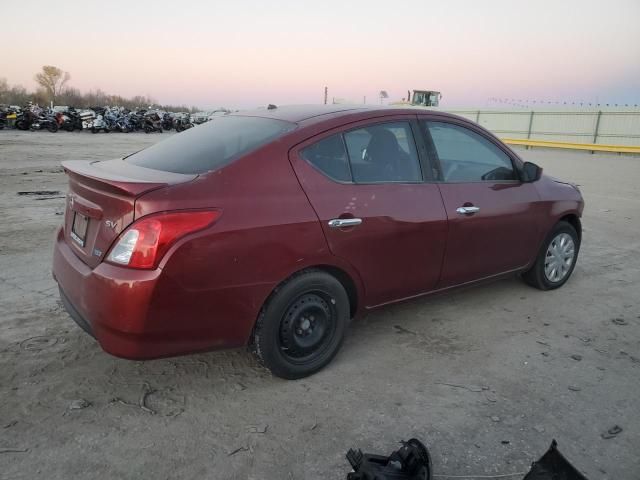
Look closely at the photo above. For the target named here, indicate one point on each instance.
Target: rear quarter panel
(215, 281)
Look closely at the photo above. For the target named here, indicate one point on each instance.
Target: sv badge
(111, 224)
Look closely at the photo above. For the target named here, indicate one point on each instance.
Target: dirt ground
(486, 377)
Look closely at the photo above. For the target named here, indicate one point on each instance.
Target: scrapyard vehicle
(273, 228)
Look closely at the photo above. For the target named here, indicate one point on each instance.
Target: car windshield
(211, 145)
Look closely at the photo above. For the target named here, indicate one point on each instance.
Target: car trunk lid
(101, 202)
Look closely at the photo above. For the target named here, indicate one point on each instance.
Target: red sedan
(275, 227)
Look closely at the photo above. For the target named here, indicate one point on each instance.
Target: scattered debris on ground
(612, 432)
(46, 193)
(79, 404)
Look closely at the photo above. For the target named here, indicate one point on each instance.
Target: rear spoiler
(123, 177)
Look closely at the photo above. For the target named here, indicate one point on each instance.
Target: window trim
(426, 162)
(433, 153)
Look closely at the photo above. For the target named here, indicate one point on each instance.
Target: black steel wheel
(307, 327)
(301, 326)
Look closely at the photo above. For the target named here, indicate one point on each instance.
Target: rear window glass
(211, 145)
(330, 157)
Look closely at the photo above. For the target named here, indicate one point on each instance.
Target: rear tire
(566, 244)
(302, 325)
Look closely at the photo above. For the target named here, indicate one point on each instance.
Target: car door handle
(467, 210)
(344, 222)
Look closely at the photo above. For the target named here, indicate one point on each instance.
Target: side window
(466, 156)
(329, 156)
(383, 153)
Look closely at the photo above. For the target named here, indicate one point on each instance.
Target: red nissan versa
(273, 228)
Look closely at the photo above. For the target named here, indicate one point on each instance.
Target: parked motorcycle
(25, 118)
(182, 122)
(45, 120)
(123, 124)
(69, 120)
(167, 121)
(136, 121)
(100, 124)
(152, 123)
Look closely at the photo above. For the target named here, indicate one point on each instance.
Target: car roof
(311, 114)
(298, 113)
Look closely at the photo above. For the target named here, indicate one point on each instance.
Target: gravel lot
(486, 377)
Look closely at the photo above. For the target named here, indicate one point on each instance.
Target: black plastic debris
(410, 462)
(553, 466)
(612, 432)
(40, 192)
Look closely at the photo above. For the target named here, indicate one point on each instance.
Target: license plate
(79, 228)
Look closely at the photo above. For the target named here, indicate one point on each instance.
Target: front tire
(302, 325)
(556, 259)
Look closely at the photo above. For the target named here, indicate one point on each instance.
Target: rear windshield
(211, 145)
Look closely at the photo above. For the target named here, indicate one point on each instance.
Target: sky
(246, 53)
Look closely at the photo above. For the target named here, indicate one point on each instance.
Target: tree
(18, 95)
(52, 80)
(4, 90)
(71, 97)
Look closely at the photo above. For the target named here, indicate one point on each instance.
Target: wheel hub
(559, 257)
(305, 327)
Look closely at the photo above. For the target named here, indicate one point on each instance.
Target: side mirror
(532, 172)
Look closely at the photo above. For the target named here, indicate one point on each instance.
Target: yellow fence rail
(594, 147)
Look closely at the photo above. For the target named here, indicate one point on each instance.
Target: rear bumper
(73, 313)
(109, 303)
(145, 314)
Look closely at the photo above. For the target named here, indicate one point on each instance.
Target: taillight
(144, 243)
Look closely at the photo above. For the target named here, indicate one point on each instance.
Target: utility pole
(326, 91)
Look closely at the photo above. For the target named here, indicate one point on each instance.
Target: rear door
(378, 213)
(492, 214)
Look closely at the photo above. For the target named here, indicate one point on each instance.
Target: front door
(366, 186)
(492, 214)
